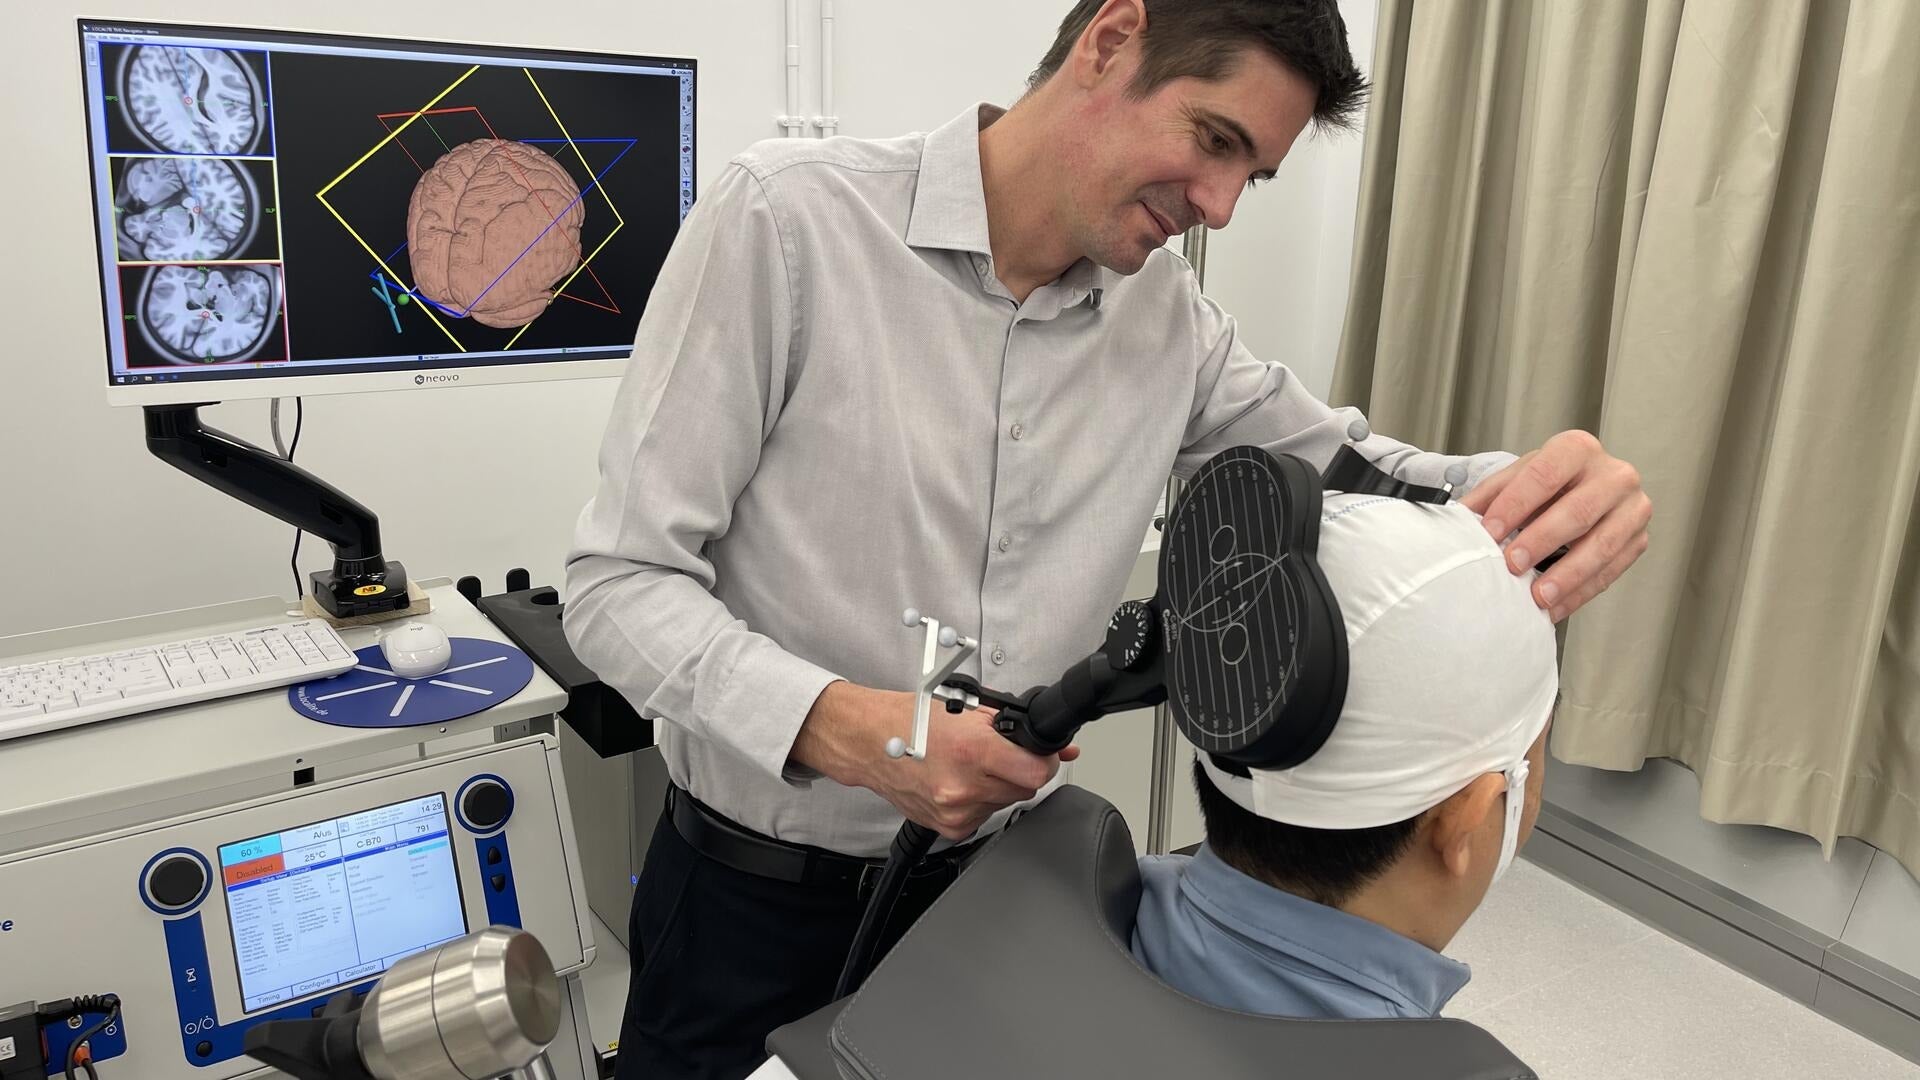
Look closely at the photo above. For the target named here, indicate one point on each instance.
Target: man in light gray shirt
(948, 372)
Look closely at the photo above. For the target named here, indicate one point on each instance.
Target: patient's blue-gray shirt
(1230, 940)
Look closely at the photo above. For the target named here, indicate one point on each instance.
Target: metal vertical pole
(1166, 741)
(1194, 246)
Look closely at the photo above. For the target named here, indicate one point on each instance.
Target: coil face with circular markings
(1255, 648)
(1231, 645)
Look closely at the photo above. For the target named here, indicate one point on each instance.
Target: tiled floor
(1582, 991)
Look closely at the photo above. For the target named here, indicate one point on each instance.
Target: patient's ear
(1456, 823)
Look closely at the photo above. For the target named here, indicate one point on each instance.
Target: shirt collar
(950, 203)
(1354, 949)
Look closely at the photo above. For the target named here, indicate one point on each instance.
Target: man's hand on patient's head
(1570, 493)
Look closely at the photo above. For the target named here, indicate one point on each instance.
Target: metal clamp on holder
(933, 676)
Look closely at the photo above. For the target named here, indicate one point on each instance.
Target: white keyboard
(82, 689)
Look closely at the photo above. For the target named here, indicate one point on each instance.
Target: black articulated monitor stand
(361, 581)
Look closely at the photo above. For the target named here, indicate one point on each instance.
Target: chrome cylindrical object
(537, 1069)
(473, 1009)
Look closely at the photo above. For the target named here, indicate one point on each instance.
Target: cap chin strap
(1516, 807)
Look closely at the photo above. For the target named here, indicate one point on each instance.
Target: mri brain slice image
(192, 101)
(185, 209)
(491, 228)
(202, 315)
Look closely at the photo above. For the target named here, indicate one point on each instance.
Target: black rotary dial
(1131, 636)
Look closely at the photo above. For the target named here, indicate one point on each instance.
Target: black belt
(729, 844)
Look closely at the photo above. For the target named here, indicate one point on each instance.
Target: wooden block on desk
(418, 603)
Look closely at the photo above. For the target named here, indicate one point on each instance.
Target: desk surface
(181, 759)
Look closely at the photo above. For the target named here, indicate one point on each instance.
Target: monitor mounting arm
(361, 581)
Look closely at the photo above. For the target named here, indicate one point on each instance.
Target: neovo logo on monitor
(422, 380)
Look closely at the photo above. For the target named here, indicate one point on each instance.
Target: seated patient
(1329, 890)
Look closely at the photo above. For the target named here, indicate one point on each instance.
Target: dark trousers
(722, 957)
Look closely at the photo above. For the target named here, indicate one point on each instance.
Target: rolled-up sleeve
(704, 388)
(1240, 400)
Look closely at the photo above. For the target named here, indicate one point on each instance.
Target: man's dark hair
(1202, 39)
(1327, 866)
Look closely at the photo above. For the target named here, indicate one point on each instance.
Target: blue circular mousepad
(481, 674)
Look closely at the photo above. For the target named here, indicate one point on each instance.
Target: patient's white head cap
(1451, 671)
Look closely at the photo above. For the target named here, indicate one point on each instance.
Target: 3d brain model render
(483, 233)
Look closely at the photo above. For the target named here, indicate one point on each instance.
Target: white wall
(479, 479)
(1281, 268)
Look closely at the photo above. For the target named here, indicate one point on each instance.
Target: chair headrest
(1024, 969)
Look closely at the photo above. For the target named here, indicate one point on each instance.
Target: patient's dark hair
(1327, 866)
(1202, 39)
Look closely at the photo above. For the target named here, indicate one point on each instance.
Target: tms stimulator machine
(209, 870)
(218, 823)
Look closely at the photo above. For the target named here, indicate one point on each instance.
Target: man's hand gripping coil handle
(932, 674)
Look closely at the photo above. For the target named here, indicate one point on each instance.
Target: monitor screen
(339, 901)
(287, 213)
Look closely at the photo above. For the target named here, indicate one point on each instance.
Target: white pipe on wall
(792, 120)
(827, 122)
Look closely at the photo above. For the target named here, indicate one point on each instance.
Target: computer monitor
(282, 213)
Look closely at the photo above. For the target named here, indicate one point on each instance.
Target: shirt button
(1017, 431)
(1005, 542)
(999, 655)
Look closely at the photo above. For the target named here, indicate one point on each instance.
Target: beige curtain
(1692, 227)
